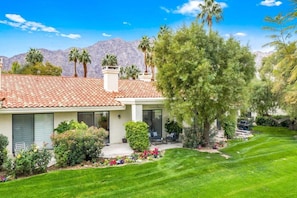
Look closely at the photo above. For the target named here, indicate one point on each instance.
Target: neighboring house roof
(29, 91)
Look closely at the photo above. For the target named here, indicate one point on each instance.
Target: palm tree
(109, 60)
(73, 56)
(34, 56)
(132, 72)
(144, 45)
(209, 10)
(150, 61)
(84, 58)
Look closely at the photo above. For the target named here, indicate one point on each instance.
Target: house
(32, 106)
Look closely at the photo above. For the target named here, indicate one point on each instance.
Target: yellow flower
(19, 156)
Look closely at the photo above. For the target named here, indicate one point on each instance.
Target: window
(32, 128)
(154, 119)
(98, 119)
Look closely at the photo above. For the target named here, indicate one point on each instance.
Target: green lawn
(264, 166)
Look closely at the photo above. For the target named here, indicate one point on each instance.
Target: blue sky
(55, 25)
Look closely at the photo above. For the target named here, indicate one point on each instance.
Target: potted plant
(172, 127)
(124, 140)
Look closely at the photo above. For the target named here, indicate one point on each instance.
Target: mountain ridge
(127, 53)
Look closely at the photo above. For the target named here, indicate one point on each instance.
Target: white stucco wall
(6, 129)
(61, 117)
(116, 125)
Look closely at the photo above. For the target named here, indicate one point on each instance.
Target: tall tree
(73, 56)
(109, 60)
(284, 62)
(150, 61)
(209, 10)
(85, 58)
(203, 77)
(144, 46)
(34, 56)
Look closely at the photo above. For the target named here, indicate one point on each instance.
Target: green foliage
(34, 56)
(71, 125)
(192, 138)
(202, 76)
(74, 146)
(263, 100)
(41, 69)
(229, 126)
(109, 60)
(29, 162)
(274, 121)
(3, 151)
(172, 126)
(129, 72)
(137, 135)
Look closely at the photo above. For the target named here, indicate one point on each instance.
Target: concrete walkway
(123, 149)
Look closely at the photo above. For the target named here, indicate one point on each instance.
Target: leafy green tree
(41, 69)
(34, 56)
(85, 58)
(109, 60)
(74, 56)
(210, 9)
(144, 46)
(263, 100)
(203, 77)
(15, 68)
(283, 61)
(150, 61)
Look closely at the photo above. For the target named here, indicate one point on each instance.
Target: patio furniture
(155, 138)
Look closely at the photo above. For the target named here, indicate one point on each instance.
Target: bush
(71, 125)
(229, 126)
(3, 150)
(275, 121)
(28, 162)
(192, 138)
(75, 146)
(137, 135)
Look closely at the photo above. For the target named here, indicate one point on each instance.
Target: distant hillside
(127, 54)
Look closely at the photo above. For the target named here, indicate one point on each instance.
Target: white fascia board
(60, 109)
(143, 101)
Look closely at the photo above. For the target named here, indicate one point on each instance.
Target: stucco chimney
(111, 78)
(1, 64)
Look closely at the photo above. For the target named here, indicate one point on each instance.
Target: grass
(264, 166)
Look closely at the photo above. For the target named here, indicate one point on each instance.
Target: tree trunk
(75, 74)
(145, 72)
(85, 70)
(206, 130)
(153, 73)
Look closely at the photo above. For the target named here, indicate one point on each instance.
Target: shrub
(74, 146)
(192, 138)
(29, 162)
(229, 126)
(3, 151)
(71, 125)
(137, 135)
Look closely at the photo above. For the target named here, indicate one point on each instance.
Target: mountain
(127, 54)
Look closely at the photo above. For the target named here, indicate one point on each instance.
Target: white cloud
(16, 18)
(270, 3)
(106, 35)
(18, 21)
(71, 36)
(165, 9)
(240, 34)
(126, 23)
(192, 7)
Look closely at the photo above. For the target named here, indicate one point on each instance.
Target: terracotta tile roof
(28, 91)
